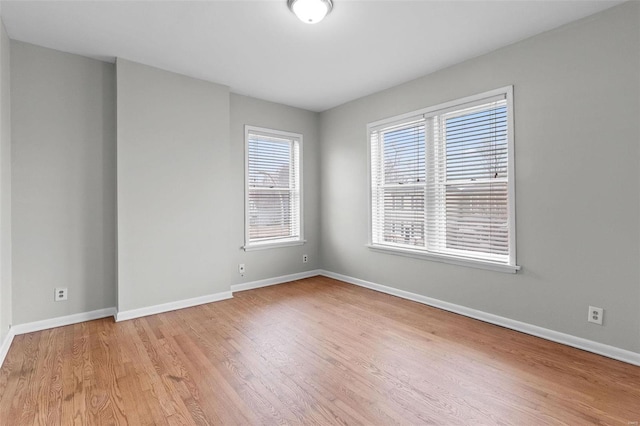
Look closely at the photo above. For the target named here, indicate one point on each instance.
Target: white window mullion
(436, 200)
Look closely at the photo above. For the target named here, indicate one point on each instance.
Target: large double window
(273, 188)
(442, 182)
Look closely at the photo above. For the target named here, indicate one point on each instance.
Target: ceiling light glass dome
(310, 11)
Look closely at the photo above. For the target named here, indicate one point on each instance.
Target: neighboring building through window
(442, 182)
(273, 190)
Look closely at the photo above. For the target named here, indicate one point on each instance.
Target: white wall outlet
(241, 268)
(595, 315)
(60, 294)
(305, 258)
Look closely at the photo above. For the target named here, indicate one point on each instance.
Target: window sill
(472, 263)
(269, 245)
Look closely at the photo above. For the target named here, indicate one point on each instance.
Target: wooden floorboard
(315, 351)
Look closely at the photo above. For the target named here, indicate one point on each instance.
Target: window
(273, 188)
(442, 182)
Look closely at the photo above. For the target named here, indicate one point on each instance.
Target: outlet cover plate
(595, 315)
(61, 294)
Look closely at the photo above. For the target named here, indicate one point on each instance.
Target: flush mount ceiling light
(310, 11)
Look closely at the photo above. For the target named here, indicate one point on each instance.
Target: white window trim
(454, 260)
(511, 267)
(280, 242)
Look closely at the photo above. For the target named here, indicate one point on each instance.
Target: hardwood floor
(316, 351)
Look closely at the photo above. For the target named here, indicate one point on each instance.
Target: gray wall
(63, 177)
(577, 103)
(274, 262)
(5, 183)
(173, 189)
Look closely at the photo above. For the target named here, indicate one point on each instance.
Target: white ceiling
(260, 49)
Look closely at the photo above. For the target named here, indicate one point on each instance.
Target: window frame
(295, 138)
(440, 109)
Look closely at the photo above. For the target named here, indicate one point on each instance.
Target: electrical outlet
(305, 258)
(241, 268)
(60, 294)
(595, 315)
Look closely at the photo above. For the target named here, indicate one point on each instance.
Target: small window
(273, 188)
(442, 182)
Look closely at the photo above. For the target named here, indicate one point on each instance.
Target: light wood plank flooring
(315, 351)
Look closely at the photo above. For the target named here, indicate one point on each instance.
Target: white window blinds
(273, 195)
(399, 184)
(441, 181)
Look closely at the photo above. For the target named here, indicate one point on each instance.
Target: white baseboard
(555, 336)
(172, 306)
(6, 344)
(273, 281)
(62, 321)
